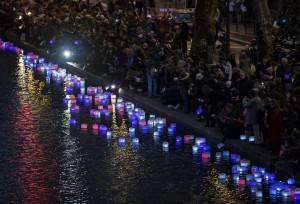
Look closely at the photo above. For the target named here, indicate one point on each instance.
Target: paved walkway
(186, 122)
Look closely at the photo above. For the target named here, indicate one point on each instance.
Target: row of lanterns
(104, 102)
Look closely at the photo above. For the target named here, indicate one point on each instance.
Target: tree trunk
(204, 29)
(263, 25)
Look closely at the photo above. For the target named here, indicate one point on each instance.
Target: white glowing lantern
(155, 134)
(113, 98)
(97, 114)
(200, 140)
(286, 193)
(222, 176)
(82, 82)
(226, 153)
(131, 131)
(249, 177)
(195, 149)
(135, 140)
(259, 194)
(251, 139)
(108, 135)
(258, 179)
(152, 117)
(150, 123)
(121, 141)
(82, 90)
(245, 162)
(243, 137)
(236, 177)
(119, 100)
(218, 155)
(165, 145)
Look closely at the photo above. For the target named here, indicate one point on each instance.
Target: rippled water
(43, 160)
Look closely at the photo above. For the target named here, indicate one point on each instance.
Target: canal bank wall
(186, 123)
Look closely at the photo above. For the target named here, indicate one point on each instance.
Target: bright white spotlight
(113, 86)
(67, 53)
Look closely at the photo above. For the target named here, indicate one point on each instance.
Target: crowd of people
(150, 56)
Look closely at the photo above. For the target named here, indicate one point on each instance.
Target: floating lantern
(206, 148)
(84, 126)
(222, 176)
(155, 134)
(170, 131)
(178, 139)
(205, 155)
(165, 145)
(256, 174)
(72, 122)
(245, 162)
(142, 123)
(95, 126)
(242, 169)
(243, 137)
(291, 181)
(131, 131)
(254, 169)
(108, 135)
(72, 109)
(173, 125)
(218, 155)
(80, 97)
(220, 145)
(286, 193)
(226, 153)
(200, 140)
(145, 129)
(135, 140)
(121, 141)
(273, 191)
(150, 123)
(241, 182)
(195, 149)
(151, 117)
(262, 170)
(269, 176)
(252, 183)
(159, 127)
(235, 169)
(236, 177)
(134, 123)
(249, 177)
(199, 110)
(259, 194)
(103, 128)
(253, 189)
(258, 179)
(251, 139)
(97, 114)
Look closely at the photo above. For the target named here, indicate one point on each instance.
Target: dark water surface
(44, 160)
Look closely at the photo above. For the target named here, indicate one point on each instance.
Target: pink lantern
(84, 126)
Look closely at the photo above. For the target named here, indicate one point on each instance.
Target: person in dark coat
(243, 87)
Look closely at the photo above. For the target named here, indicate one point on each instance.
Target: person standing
(251, 104)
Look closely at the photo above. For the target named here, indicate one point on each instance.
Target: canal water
(45, 160)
